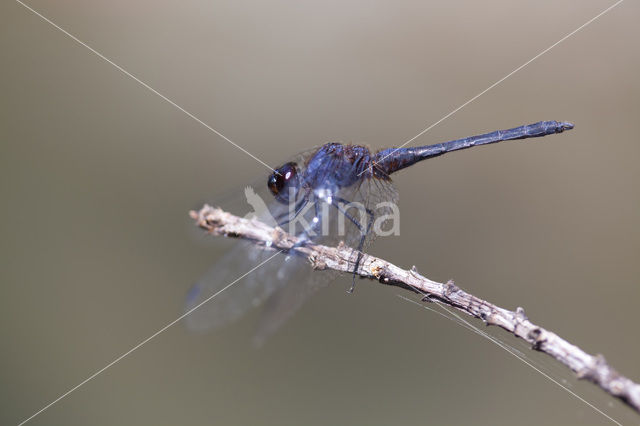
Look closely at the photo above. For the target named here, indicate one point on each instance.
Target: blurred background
(97, 175)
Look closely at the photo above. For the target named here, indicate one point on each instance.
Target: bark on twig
(586, 366)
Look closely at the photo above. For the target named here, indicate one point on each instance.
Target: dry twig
(586, 366)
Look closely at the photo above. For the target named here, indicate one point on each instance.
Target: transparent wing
(374, 195)
(268, 280)
(286, 281)
(213, 306)
(380, 198)
(302, 284)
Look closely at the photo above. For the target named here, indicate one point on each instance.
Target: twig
(588, 367)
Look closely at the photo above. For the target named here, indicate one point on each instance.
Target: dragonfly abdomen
(391, 160)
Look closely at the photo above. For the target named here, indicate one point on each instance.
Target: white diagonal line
(144, 341)
(124, 71)
(466, 324)
(502, 79)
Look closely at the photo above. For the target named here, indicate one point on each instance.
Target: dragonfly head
(284, 183)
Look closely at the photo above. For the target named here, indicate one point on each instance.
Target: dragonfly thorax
(337, 166)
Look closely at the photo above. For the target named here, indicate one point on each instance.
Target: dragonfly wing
(286, 301)
(379, 196)
(374, 195)
(207, 311)
(210, 305)
(285, 281)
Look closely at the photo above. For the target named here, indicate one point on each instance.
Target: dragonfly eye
(284, 182)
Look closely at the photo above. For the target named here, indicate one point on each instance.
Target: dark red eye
(282, 180)
(275, 183)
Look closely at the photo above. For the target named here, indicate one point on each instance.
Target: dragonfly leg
(304, 236)
(296, 211)
(363, 234)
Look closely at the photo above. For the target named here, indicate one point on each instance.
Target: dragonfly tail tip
(565, 125)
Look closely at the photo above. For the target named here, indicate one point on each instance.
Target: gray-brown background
(97, 176)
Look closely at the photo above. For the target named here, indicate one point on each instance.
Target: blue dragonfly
(328, 194)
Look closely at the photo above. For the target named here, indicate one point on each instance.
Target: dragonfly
(328, 194)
